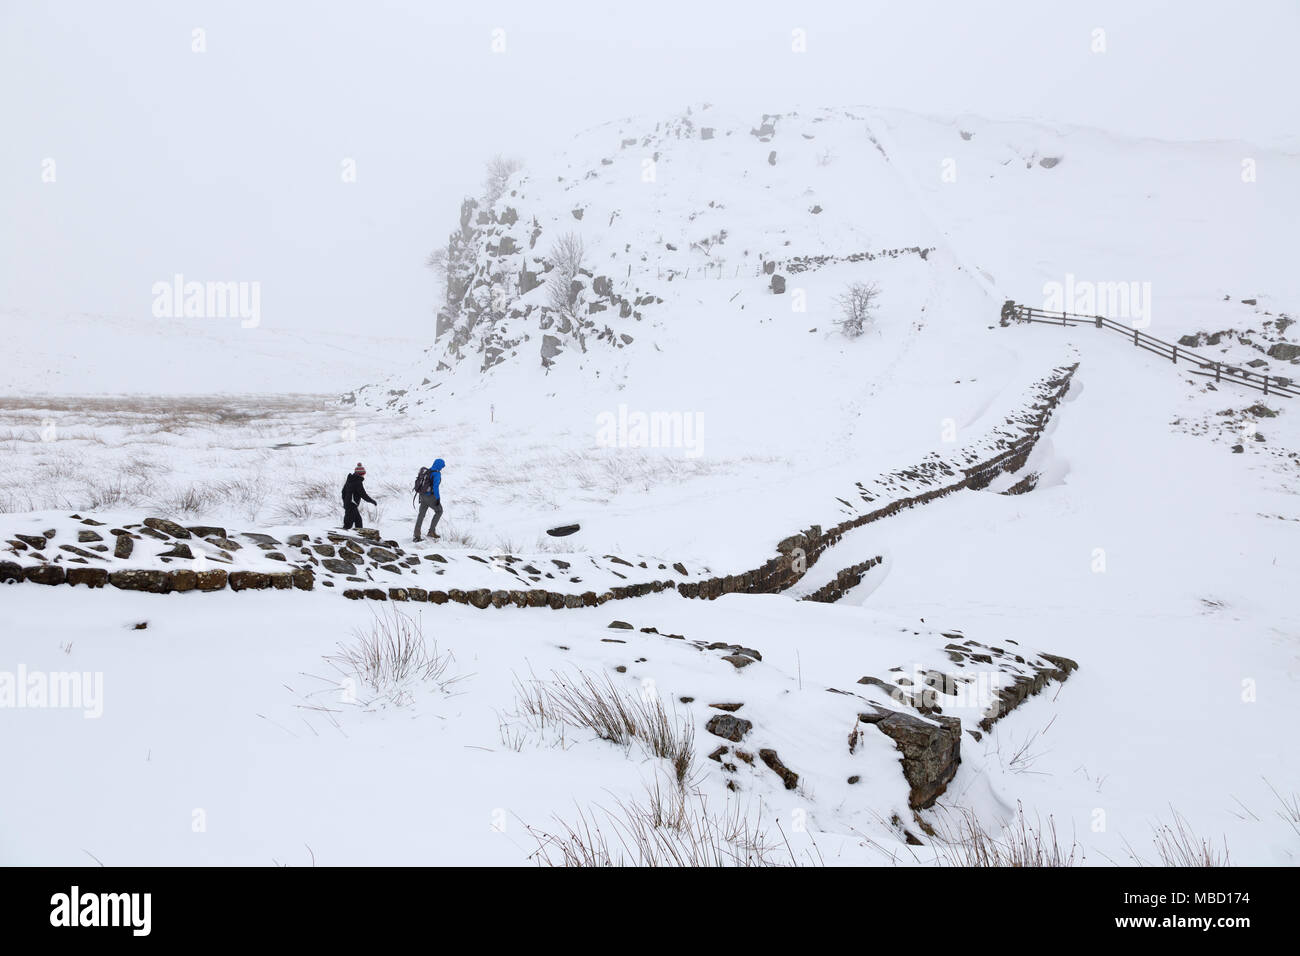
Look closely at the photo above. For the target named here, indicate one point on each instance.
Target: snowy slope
(1156, 543)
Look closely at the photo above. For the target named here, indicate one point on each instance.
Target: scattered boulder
(206, 531)
(931, 750)
(85, 536)
(788, 776)
(167, 527)
(10, 571)
(728, 727)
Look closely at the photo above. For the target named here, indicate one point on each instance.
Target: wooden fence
(1200, 364)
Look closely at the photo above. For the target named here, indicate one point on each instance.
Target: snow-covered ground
(1150, 552)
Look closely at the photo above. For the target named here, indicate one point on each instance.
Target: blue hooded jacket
(437, 476)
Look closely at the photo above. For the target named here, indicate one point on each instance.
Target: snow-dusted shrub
(566, 256)
(672, 826)
(1178, 845)
(856, 304)
(392, 658)
(613, 714)
(499, 170)
(968, 842)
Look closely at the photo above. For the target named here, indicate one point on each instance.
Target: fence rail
(1201, 364)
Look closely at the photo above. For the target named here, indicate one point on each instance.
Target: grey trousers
(427, 502)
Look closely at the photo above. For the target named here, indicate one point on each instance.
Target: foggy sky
(225, 165)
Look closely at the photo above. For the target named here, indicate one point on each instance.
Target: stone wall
(800, 551)
(795, 554)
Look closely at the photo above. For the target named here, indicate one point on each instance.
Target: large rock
(155, 582)
(90, 577)
(184, 580)
(728, 727)
(1284, 351)
(249, 580)
(10, 571)
(167, 527)
(213, 580)
(788, 776)
(339, 566)
(45, 574)
(931, 750)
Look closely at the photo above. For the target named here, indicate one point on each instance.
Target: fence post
(1218, 372)
(1135, 336)
(1098, 318)
(1265, 384)
(1063, 322)
(1175, 354)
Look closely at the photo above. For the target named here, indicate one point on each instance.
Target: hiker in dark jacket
(431, 498)
(354, 492)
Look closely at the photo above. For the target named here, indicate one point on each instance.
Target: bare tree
(566, 255)
(437, 261)
(857, 304)
(499, 170)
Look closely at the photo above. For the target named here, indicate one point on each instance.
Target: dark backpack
(423, 482)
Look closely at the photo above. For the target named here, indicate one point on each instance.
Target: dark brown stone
(212, 580)
(931, 750)
(788, 776)
(248, 580)
(45, 574)
(155, 582)
(728, 727)
(166, 526)
(184, 580)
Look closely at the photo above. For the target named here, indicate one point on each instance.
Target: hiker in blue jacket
(430, 495)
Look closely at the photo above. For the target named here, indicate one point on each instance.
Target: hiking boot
(418, 540)
(436, 536)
